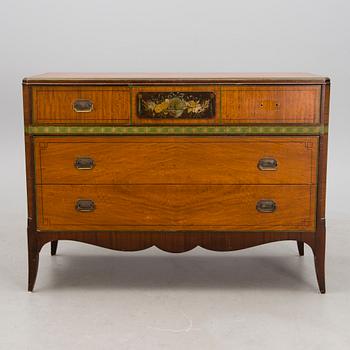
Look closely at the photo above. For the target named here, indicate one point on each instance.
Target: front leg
(54, 247)
(33, 259)
(300, 247)
(319, 256)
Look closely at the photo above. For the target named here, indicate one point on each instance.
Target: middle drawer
(176, 160)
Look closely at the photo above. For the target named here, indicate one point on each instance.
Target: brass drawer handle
(83, 106)
(267, 164)
(85, 205)
(84, 163)
(266, 206)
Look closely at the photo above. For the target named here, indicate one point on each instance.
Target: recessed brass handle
(267, 164)
(84, 163)
(83, 106)
(85, 205)
(266, 206)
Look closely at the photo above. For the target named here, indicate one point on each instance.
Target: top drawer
(271, 104)
(81, 105)
(182, 105)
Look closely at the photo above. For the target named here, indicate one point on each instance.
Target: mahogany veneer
(54, 105)
(176, 207)
(127, 161)
(271, 104)
(176, 160)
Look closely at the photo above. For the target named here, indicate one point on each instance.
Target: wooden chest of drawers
(221, 161)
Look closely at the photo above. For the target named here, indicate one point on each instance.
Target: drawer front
(176, 105)
(271, 104)
(176, 207)
(194, 105)
(81, 105)
(176, 160)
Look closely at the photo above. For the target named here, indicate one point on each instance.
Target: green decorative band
(174, 130)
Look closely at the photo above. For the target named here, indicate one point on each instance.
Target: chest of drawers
(221, 161)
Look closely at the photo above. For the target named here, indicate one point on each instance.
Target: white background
(165, 36)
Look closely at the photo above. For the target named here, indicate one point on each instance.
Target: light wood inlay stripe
(176, 130)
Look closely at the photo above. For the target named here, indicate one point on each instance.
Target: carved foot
(300, 247)
(33, 255)
(320, 271)
(54, 247)
(33, 264)
(319, 256)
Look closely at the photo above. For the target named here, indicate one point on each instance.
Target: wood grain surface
(177, 207)
(271, 104)
(240, 105)
(166, 78)
(176, 160)
(55, 105)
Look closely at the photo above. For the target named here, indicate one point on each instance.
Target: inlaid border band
(175, 130)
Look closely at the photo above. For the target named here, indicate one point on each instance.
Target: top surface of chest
(145, 78)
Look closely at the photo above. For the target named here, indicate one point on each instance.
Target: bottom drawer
(176, 207)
